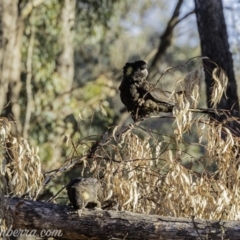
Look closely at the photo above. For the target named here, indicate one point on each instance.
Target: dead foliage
(20, 170)
(143, 171)
(20, 166)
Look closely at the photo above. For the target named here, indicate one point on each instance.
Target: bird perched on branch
(142, 98)
(84, 192)
(139, 96)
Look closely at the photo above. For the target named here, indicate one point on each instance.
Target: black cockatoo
(142, 98)
(139, 96)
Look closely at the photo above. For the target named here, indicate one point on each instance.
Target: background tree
(214, 44)
(13, 15)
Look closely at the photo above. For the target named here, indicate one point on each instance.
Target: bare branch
(185, 16)
(166, 37)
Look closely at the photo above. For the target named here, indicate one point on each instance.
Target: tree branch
(167, 36)
(185, 16)
(69, 164)
(100, 224)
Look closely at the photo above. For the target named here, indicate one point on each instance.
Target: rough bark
(99, 224)
(214, 45)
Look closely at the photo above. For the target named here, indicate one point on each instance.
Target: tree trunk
(100, 224)
(214, 44)
(11, 32)
(10, 59)
(65, 61)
